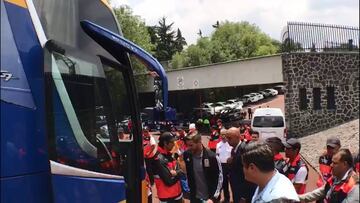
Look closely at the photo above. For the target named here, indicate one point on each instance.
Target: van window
(268, 121)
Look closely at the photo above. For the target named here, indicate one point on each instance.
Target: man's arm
(164, 173)
(220, 179)
(314, 195)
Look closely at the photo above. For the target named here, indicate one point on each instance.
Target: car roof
(268, 111)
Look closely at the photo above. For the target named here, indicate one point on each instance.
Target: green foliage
(229, 41)
(135, 30)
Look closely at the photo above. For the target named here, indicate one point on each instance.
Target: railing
(313, 37)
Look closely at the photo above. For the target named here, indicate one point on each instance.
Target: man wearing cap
(192, 128)
(277, 146)
(297, 170)
(167, 171)
(332, 147)
(203, 170)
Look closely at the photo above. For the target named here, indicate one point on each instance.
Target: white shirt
(300, 176)
(223, 150)
(153, 142)
(278, 187)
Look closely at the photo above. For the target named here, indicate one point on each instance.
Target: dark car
(280, 89)
(265, 94)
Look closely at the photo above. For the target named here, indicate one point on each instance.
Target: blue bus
(66, 84)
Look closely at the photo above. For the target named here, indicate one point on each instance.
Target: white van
(269, 122)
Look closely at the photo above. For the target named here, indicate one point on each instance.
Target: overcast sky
(270, 15)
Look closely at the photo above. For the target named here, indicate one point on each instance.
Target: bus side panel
(23, 140)
(31, 190)
(79, 189)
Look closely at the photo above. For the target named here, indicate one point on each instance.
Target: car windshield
(268, 121)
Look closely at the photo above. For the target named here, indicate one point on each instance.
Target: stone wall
(320, 70)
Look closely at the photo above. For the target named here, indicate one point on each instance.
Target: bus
(66, 85)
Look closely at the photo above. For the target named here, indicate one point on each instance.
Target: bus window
(86, 103)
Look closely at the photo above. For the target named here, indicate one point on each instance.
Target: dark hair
(260, 155)
(242, 130)
(195, 137)
(165, 138)
(254, 132)
(345, 155)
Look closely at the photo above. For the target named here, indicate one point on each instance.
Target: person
(214, 138)
(258, 167)
(342, 187)
(332, 146)
(192, 128)
(242, 189)
(297, 170)
(167, 172)
(150, 149)
(254, 136)
(223, 151)
(249, 112)
(203, 170)
(121, 135)
(181, 140)
(219, 124)
(357, 163)
(277, 146)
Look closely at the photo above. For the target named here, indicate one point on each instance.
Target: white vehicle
(219, 106)
(272, 92)
(254, 97)
(231, 103)
(269, 122)
(234, 104)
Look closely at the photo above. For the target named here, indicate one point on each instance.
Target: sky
(269, 15)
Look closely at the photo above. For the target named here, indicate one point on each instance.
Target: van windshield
(268, 121)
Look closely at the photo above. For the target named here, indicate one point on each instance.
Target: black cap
(166, 137)
(333, 142)
(292, 143)
(275, 141)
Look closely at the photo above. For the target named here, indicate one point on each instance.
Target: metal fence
(314, 37)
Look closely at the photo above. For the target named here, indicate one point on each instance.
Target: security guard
(332, 146)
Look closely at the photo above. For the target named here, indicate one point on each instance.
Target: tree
(229, 41)
(165, 40)
(179, 41)
(134, 29)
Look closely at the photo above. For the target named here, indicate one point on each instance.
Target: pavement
(275, 102)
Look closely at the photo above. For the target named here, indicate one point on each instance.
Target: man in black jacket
(203, 170)
(241, 188)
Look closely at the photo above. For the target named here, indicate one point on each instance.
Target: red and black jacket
(339, 191)
(168, 186)
(293, 168)
(325, 169)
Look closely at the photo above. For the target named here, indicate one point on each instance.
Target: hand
(173, 172)
(229, 160)
(209, 201)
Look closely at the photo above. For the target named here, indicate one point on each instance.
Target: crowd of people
(238, 165)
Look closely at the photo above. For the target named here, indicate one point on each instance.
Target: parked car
(255, 97)
(280, 89)
(272, 92)
(265, 94)
(234, 104)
